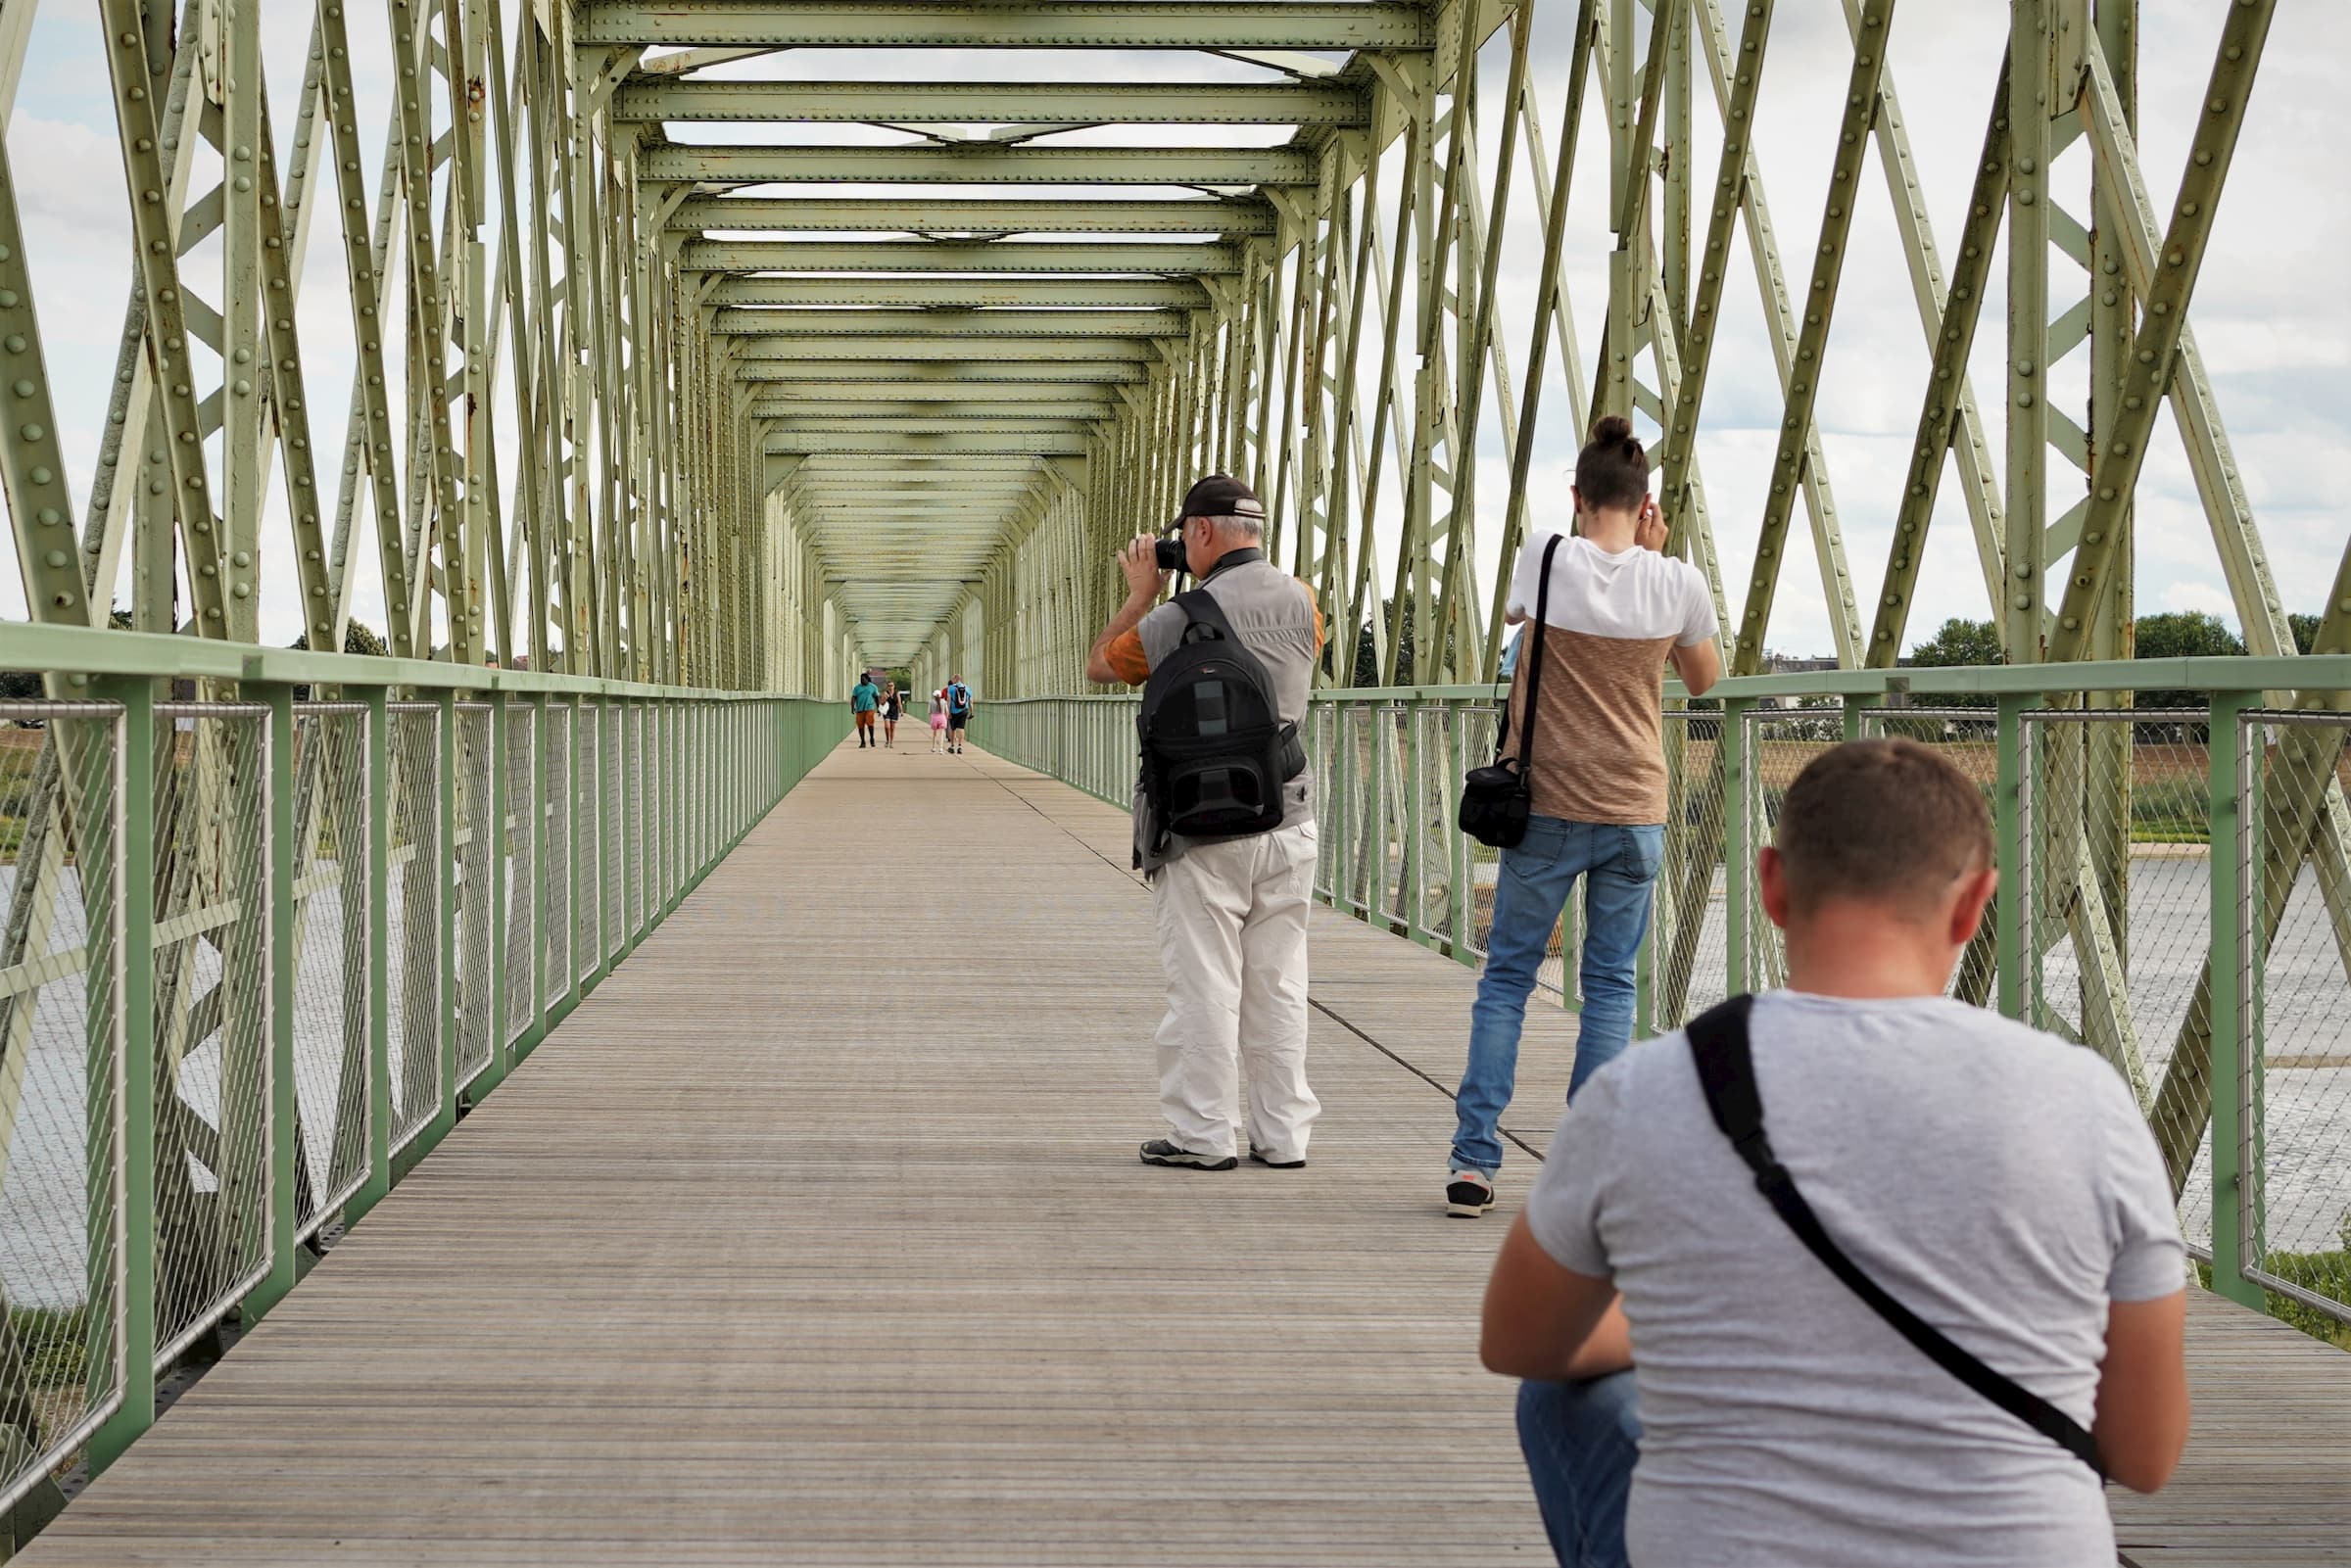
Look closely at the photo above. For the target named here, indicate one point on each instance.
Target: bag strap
(1534, 676)
(1726, 1069)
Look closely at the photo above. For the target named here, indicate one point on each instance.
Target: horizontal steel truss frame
(1137, 294)
(1054, 103)
(1232, 214)
(1187, 261)
(976, 164)
(1032, 24)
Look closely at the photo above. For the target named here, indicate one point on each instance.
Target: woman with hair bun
(1619, 612)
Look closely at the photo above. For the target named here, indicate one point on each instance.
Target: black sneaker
(1161, 1152)
(1469, 1194)
(1258, 1157)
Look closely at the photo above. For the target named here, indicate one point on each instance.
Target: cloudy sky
(2272, 320)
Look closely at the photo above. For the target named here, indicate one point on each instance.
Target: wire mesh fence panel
(59, 1081)
(1321, 757)
(1476, 726)
(1689, 952)
(613, 833)
(477, 1008)
(1356, 730)
(554, 756)
(522, 867)
(330, 957)
(1779, 742)
(587, 796)
(2305, 1074)
(412, 943)
(1392, 892)
(212, 983)
(1968, 737)
(1436, 770)
(640, 780)
(2121, 915)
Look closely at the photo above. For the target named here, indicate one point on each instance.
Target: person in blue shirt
(959, 711)
(864, 698)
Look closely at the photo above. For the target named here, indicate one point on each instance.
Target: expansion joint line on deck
(1313, 1001)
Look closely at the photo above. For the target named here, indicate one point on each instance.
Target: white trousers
(1233, 941)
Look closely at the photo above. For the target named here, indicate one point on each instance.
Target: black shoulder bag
(1496, 799)
(1726, 1068)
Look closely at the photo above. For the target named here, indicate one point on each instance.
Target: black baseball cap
(1218, 495)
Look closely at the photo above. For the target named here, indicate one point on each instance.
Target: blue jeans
(1580, 1442)
(1619, 868)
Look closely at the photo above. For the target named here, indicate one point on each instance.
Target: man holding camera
(1231, 908)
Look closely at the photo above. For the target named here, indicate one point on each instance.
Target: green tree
(2180, 634)
(2306, 631)
(1366, 664)
(1958, 643)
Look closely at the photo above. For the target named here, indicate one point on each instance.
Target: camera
(1169, 553)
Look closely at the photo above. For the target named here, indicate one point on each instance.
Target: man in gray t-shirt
(1996, 1180)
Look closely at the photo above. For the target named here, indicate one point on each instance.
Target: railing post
(493, 821)
(444, 1115)
(378, 1181)
(542, 939)
(279, 838)
(134, 912)
(2235, 866)
(2012, 834)
(1738, 854)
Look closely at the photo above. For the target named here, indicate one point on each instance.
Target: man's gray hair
(1249, 524)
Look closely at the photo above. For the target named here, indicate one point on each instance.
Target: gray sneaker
(1161, 1152)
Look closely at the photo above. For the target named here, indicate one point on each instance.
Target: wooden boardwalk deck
(816, 1236)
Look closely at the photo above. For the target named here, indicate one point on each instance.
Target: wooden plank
(816, 1235)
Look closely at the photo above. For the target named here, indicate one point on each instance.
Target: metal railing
(261, 950)
(2176, 887)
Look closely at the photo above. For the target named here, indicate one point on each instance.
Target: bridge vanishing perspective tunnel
(495, 1081)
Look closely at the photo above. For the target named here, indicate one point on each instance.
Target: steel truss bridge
(694, 355)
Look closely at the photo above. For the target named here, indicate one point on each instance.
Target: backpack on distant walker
(1216, 750)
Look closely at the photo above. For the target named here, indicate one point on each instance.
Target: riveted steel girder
(1141, 294)
(942, 445)
(890, 215)
(838, 334)
(996, 103)
(950, 372)
(1197, 260)
(980, 163)
(1017, 24)
(911, 408)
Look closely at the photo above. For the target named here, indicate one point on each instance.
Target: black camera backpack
(1215, 752)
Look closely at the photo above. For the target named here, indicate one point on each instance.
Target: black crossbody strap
(1726, 1069)
(1534, 676)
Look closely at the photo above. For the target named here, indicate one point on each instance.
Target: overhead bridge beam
(890, 215)
(948, 334)
(957, 255)
(971, 163)
(1141, 294)
(802, 408)
(996, 103)
(806, 424)
(1019, 25)
(943, 395)
(1046, 371)
(1061, 444)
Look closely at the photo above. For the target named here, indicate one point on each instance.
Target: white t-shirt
(1996, 1180)
(1635, 594)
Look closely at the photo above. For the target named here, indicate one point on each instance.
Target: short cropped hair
(1888, 821)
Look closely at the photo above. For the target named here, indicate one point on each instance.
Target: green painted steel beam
(1017, 24)
(969, 103)
(948, 334)
(919, 377)
(980, 163)
(891, 215)
(1039, 446)
(911, 408)
(1195, 259)
(1120, 293)
(943, 392)
(933, 425)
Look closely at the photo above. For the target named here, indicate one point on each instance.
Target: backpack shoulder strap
(1534, 673)
(1726, 1071)
(1200, 608)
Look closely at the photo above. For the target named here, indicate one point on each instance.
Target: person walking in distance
(1995, 1187)
(938, 722)
(891, 706)
(1619, 610)
(1232, 907)
(959, 711)
(865, 698)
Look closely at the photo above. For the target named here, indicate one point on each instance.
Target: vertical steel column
(2236, 1042)
(493, 821)
(378, 1182)
(136, 1155)
(280, 842)
(1737, 853)
(2012, 832)
(445, 1117)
